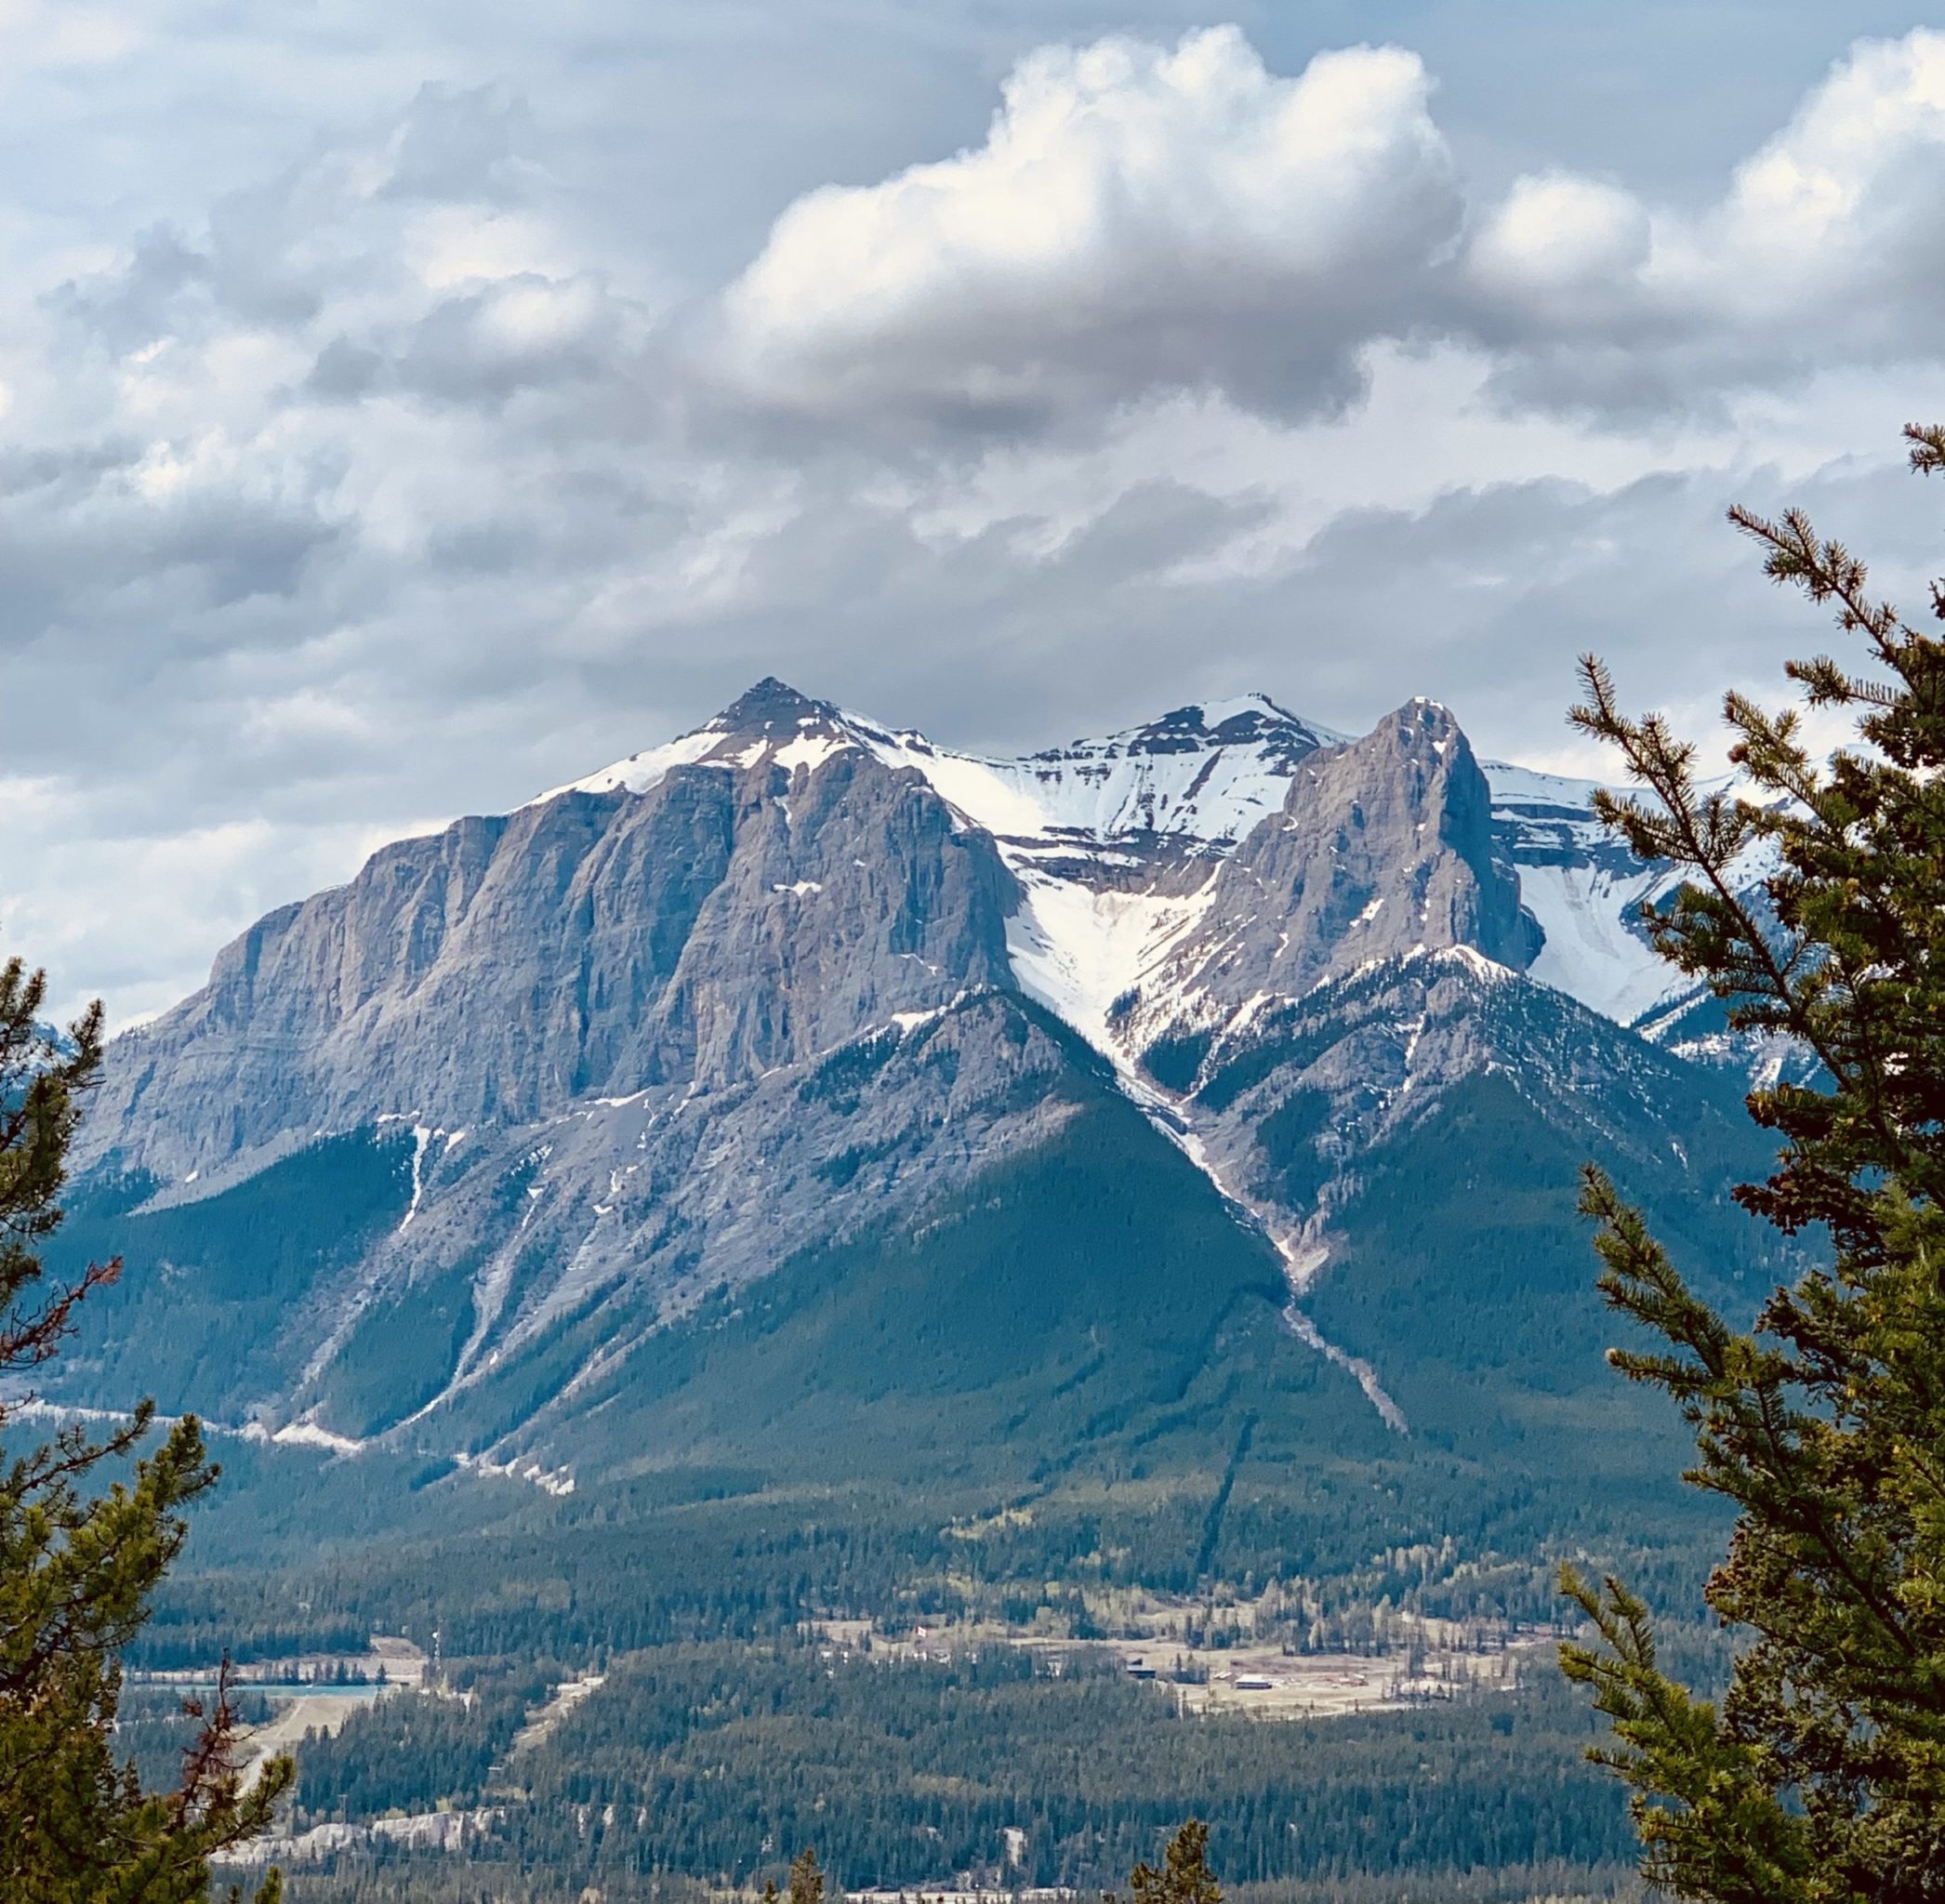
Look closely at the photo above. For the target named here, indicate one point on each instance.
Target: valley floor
(958, 1758)
(1421, 1661)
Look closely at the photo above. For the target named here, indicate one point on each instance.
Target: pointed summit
(1383, 849)
(773, 706)
(771, 720)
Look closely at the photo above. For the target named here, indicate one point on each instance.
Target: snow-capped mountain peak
(1194, 778)
(796, 973)
(771, 720)
(1151, 809)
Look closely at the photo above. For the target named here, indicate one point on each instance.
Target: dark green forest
(716, 1760)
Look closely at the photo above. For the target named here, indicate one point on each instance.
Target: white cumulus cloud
(1143, 219)
(1138, 217)
(1826, 248)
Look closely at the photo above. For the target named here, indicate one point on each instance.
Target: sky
(403, 410)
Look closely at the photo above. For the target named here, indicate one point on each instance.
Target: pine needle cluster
(77, 1572)
(1813, 909)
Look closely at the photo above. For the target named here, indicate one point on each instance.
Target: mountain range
(801, 1103)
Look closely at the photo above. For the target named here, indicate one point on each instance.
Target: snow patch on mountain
(1584, 888)
(1204, 774)
(1594, 951)
(640, 772)
(1077, 950)
(1208, 772)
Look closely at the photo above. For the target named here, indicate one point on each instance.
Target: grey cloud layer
(401, 480)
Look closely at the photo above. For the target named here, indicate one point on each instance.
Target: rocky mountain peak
(1383, 849)
(1253, 722)
(792, 977)
(774, 708)
(1420, 727)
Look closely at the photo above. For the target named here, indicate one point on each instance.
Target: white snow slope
(1585, 889)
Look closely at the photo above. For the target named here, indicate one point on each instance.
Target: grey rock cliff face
(1385, 846)
(630, 1213)
(725, 921)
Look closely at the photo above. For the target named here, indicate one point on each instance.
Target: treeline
(715, 1761)
(545, 1591)
(413, 1752)
(607, 1582)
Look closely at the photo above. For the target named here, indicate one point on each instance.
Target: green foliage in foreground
(1185, 1876)
(76, 1573)
(1819, 1776)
